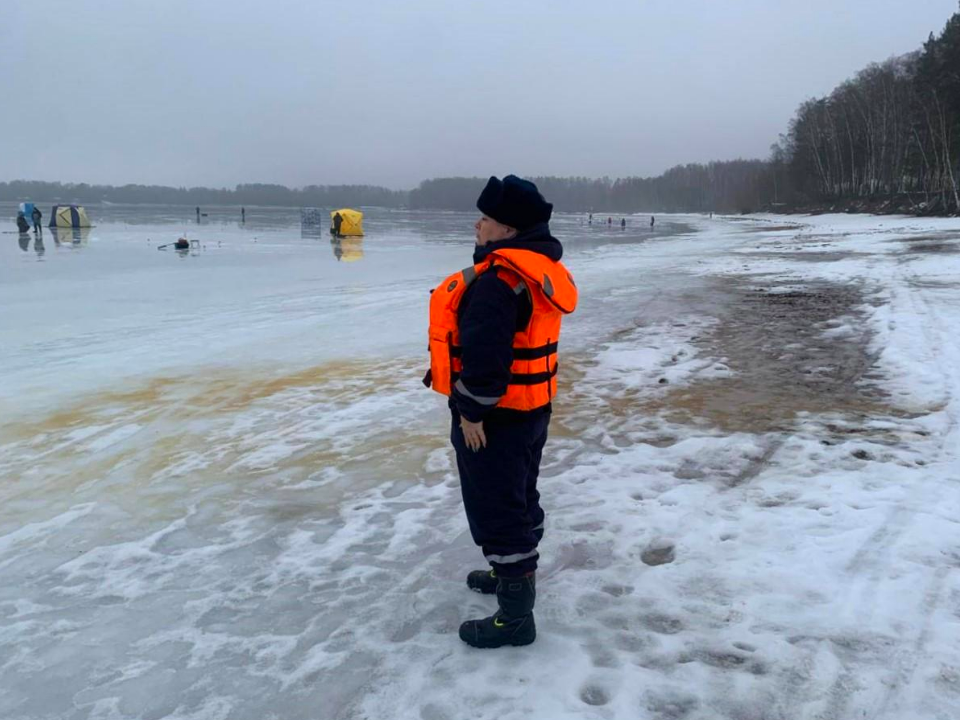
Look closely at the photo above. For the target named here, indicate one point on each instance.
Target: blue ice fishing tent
(27, 209)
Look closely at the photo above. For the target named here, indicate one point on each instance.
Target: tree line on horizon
(893, 130)
(246, 194)
(737, 184)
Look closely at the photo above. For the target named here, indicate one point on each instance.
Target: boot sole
(510, 643)
(482, 591)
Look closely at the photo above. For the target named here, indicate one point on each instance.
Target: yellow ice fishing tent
(346, 223)
(69, 216)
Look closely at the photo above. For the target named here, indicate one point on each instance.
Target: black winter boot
(513, 623)
(483, 581)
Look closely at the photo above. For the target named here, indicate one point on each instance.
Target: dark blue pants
(499, 486)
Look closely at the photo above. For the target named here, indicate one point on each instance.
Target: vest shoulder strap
(511, 277)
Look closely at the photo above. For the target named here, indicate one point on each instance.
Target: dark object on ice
(37, 216)
(483, 581)
(862, 455)
(337, 223)
(513, 623)
(609, 221)
(180, 244)
(623, 223)
(652, 220)
(198, 214)
(243, 215)
(22, 224)
(663, 381)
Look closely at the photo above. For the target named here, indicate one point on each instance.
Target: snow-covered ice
(225, 493)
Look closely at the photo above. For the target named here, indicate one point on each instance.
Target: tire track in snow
(936, 336)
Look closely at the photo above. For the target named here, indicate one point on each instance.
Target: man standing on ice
(494, 328)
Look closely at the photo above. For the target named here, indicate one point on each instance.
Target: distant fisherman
(493, 338)
(652, 221)
(37, 216)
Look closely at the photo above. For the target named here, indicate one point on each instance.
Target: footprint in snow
(594, 695)
(658, 553)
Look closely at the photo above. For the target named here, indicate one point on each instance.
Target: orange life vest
(533, 381)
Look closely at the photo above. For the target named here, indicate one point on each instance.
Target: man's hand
(473, 434)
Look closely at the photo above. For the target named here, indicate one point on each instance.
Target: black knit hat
(514, 202)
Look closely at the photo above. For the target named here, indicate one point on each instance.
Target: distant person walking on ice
(652, 221)
(37, 217)
(493, 350)
(623, 223)
(243, 215)
(198, 214)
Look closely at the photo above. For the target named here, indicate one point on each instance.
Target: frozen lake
(224, 492)
(90, 308)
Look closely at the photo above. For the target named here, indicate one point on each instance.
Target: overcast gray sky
(219, 92)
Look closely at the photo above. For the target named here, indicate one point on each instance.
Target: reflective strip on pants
(507, 559)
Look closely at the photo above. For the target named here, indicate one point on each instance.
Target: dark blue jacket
(489, 315)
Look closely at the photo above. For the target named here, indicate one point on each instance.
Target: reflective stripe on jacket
(553, 294)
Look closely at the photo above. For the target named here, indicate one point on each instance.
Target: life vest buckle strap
(534, 378)
(535, 353)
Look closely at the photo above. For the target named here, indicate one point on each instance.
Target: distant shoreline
(916, 204)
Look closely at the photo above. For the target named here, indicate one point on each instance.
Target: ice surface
(225, 493)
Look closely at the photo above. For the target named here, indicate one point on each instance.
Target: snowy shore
(752, 487)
